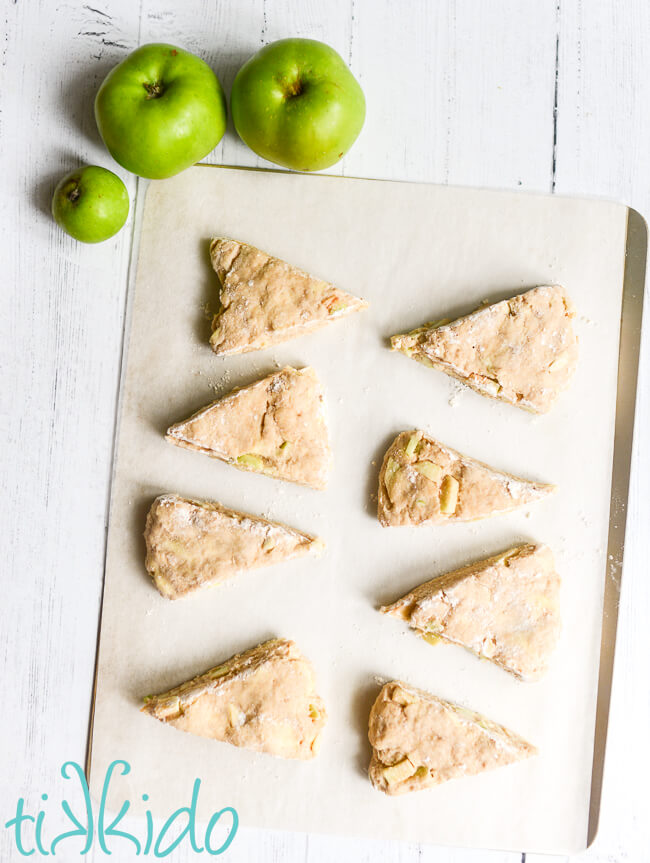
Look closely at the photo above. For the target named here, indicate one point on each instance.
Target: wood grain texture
(458, 92)
(60, 355)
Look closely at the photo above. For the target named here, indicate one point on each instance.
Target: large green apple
(296, 103)
(91, 204)
(160, 110)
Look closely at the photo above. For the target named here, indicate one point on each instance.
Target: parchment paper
(417, 253)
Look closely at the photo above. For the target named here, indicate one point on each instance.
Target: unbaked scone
(192, 544)
(419, 740)
(264, 699)
(522, 351)
(425, 482)
(265, 300)
(275, 426)
(505, 609)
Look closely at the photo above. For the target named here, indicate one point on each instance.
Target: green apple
(296, 103)
(91, 204)
(160, 110)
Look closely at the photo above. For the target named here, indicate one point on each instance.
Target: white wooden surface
(549, 95)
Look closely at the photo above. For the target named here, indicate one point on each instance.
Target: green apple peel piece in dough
(412, 444)
(251, 461)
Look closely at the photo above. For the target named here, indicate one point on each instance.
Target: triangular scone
(419, 740)
(275, 426)
(193, 544)
(425, 482)
(522, 351)
(265, 300)
(505, 608)
(264, 699)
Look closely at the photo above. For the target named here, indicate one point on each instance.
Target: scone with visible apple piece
(192, 544)
(419, 740)
(505, 609)
(422, 481)
(264, 699)
(275, 426)
(265, 300)
(522, 351)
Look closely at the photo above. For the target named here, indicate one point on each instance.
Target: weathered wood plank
(458, 92)
(60, 353)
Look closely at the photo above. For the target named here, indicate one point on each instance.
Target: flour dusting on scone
(275, 426)
(422, 481)
(265, 300)
(522, 351)
(264, 699)
(192, 544)
(420, 740)
(505, 609)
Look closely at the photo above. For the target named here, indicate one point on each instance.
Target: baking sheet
(417, 253)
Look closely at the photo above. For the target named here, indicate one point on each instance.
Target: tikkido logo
(29, 830)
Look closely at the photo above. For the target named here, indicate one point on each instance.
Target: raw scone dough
(425, 482)
(505, 609)
(265, 300)
(419, 740)
(522, 351)
(193, 544)
(264, 699)
(275, 426)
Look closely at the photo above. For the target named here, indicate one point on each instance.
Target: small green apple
(296, 103)
(160, 110)
(91, 204)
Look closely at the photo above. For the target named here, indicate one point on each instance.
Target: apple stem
(154, 91)
(74, 195)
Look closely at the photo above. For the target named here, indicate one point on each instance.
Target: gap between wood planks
(555, 96)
